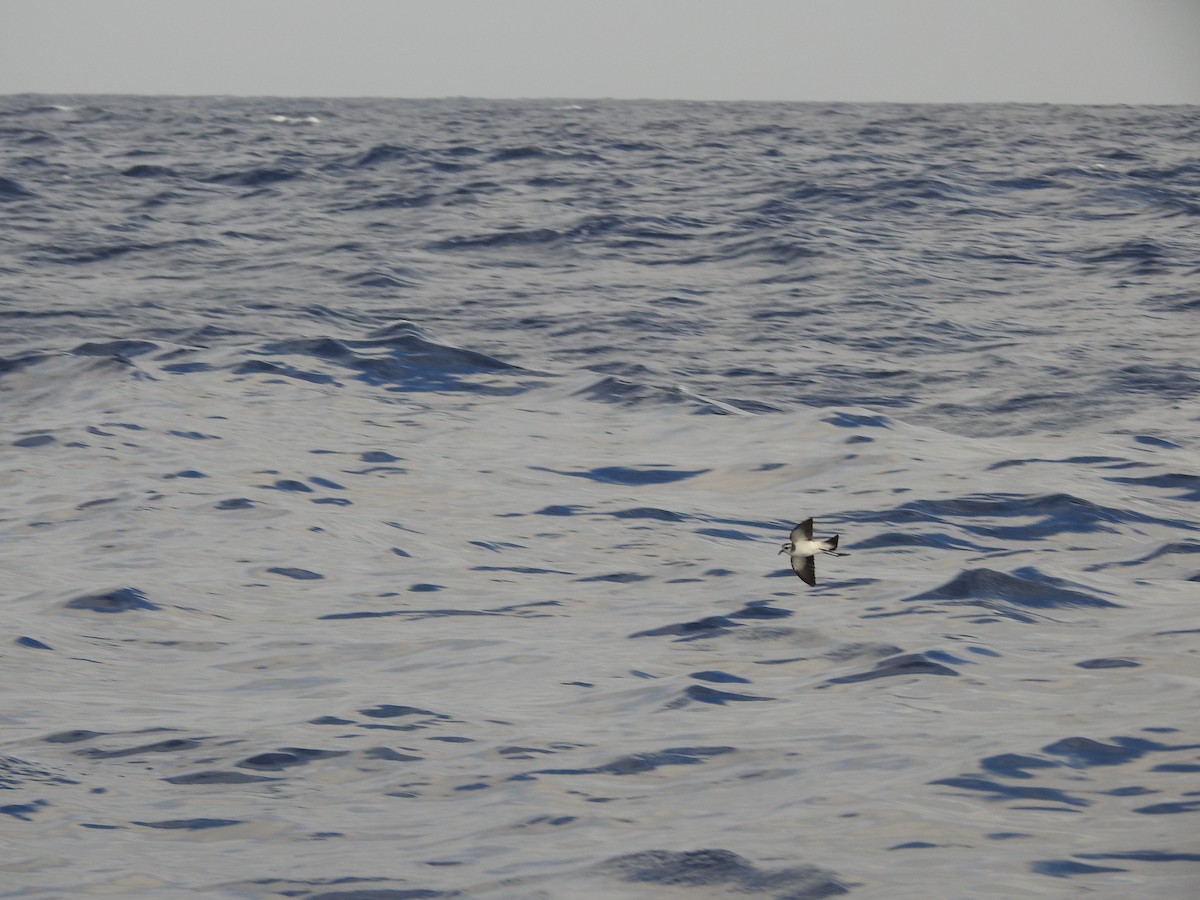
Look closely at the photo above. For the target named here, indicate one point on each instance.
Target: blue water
(391, 494)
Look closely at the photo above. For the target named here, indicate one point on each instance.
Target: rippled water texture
(391, 493)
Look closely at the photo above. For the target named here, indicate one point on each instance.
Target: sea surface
(391, 495)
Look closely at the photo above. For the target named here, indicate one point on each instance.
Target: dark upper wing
(806, 571)
(803, 529)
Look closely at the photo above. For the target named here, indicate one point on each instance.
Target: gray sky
(1058, 51)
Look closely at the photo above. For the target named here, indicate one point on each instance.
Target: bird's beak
(782, 550)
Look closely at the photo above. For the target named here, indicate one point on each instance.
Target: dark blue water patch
(333, 501)
(235, 503)
(1165, 382)
(411, 614)
(1000, 592)
(914, 845)
(948, 658)
(82, 255)
(254, 178)
(194, 435)
(1107, 663)
(761, 609)
(380, 154)
(619, 392)
(394, 711)
(496, 546)
(723, 870)
(558, 510)
(32, 643)
(1144, 856)
(426, 588)
(379, 456)
(1058, 514)
(854, 420)
(776, 526)
(906, 664)
(263, 367)
(22, 361)
(1186, 482)
(935, 540)
(36, 440)
(508, 239)
(1066, 868)
(1014, 765)
(630, 477)
(387, 753)
(998, 791)
(1177, 547)
(122, 349)
(14, 190)
(728, 534)
(185, 473)
(1155, 442)
(649, 512)
(399, 552)
(146, 170)
(298, 574)
(1169, 809)
(399, 356)
(118, 601)
(1073, 460)
(171, 745)
(190, 824)
(617, 578)
(326, 483)
(217, 777)
(286, 758)
(718, 677)
(640, 763)
(287, 484)
(700, 693)
(1135, 790)
(73, 736)
(1085, 753)
(553, 821)
(708, 627)
(984, 651)
(520, 570)
(102, 501)
(23, 811)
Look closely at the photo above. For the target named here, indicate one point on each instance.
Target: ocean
(391, 495)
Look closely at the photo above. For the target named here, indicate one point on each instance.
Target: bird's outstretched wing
(804, 529)
(806, 569)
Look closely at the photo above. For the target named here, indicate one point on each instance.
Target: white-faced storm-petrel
(803, 550)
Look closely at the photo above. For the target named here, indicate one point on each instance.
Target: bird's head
(787, 548)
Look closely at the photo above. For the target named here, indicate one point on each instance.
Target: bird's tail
(830, 546)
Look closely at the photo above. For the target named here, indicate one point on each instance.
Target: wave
(399, 357)
(1009, 594)
(1057, 514)
(622, 392)
(13, 190)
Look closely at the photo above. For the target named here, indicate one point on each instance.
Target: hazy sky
(1060, 51)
